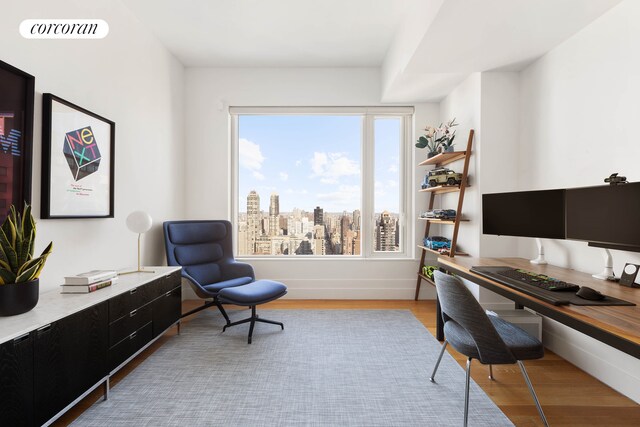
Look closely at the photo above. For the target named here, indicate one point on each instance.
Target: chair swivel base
(253, 319)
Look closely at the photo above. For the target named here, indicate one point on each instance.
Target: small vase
(431, 154)
(449, 149)
(18, 298)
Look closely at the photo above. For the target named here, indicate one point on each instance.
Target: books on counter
(85, 289)
(90, 277)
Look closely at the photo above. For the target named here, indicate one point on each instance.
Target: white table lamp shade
(139, 222)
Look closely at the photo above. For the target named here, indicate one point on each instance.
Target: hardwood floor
(568, 395)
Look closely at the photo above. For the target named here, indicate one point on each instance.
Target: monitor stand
(540, 260)
(607, 273)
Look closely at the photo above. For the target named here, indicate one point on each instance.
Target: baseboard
(618, 370)
(358, 289)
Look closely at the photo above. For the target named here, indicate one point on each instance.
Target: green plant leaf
(32, 272)
(7, 276)
(10, 253)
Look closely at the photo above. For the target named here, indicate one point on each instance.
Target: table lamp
(139, 222)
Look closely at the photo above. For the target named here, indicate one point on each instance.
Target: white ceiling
(425, 47)
(274, 33)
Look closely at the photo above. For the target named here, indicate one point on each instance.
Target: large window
(323, 182)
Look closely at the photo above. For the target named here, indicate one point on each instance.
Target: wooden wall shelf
(441, 160)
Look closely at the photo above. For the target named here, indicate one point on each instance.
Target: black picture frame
(17, 89)
(76, 144)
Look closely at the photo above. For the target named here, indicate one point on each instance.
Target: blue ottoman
(251, 295)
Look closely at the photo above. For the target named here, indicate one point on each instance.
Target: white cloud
(393, 168)
(284, 176)
(298, 163)
(250, 156)
(347, 197)
(257, 175)
(330, 167)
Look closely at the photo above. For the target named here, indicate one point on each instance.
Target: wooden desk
(617, 326)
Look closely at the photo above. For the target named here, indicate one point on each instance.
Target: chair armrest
(236, 269)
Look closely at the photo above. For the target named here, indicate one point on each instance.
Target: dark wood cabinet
(45, 370)
(16, 381)
(167, 309)
(138, 316)
(69, 358)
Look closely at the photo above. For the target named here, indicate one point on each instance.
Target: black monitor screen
(524, 213)
(605, 214)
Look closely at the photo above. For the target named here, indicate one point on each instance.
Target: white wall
(579, 105)
(209, 173)
(131, 79)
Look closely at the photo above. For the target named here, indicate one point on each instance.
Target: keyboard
(523, 282)
(540, 280)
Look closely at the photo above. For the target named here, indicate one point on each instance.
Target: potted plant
(19, 270)
(438, 140)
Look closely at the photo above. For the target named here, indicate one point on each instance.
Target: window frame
(367, 179)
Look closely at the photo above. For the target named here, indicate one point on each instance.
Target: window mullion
(368, 184)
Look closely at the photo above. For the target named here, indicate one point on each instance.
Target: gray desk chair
(488, 339)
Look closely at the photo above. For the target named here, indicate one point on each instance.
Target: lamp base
(136, 271)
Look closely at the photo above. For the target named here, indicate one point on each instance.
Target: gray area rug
(327, 368)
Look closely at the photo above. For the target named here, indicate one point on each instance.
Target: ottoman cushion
(254, 293)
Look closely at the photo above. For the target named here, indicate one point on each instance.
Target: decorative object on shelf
(614, 179)
(78, 149)
(19, 270)
(438, 140)
(16, 134)
(441, 176)
(427, 271)
(139, 222)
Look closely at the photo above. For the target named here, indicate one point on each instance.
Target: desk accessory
(629, 275)
(139, 222)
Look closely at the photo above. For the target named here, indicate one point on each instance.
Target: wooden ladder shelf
(441, 160)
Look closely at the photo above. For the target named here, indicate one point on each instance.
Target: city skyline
(309, 232)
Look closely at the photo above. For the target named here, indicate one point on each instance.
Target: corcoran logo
(64, 28)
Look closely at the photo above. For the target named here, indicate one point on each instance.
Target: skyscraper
(318, 216)
(386, 233)
(274, 213)
(253, 220)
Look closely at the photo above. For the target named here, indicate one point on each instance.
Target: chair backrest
(459, 305)
(200, 247)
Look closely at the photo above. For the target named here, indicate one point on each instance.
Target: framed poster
(78, 149)
(16, 137)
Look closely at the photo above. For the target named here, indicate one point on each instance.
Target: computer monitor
(606, 216)
(524, 214)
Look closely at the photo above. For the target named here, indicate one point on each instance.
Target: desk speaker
(629, 275)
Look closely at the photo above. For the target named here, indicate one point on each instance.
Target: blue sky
(314, 161)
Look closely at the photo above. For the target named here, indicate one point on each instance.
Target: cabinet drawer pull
(44, 328)
(133, 291)
(21, 338)
(133, 312)
(168, 294)
(167, 276)
(133, 335)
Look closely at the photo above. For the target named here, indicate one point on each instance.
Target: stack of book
(90, 281)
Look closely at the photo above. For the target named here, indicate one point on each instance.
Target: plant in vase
(19, 270)
(438, 140)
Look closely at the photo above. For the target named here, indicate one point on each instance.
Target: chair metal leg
(491, 372)
(466, 393)
(435, 368)
(253, 319)
(222, 310)
(533, 393)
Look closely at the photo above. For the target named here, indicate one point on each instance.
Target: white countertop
(53, 305)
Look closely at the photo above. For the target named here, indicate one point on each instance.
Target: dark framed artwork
(78, 154)
(16, 137)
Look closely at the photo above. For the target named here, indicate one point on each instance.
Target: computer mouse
(587, 293)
